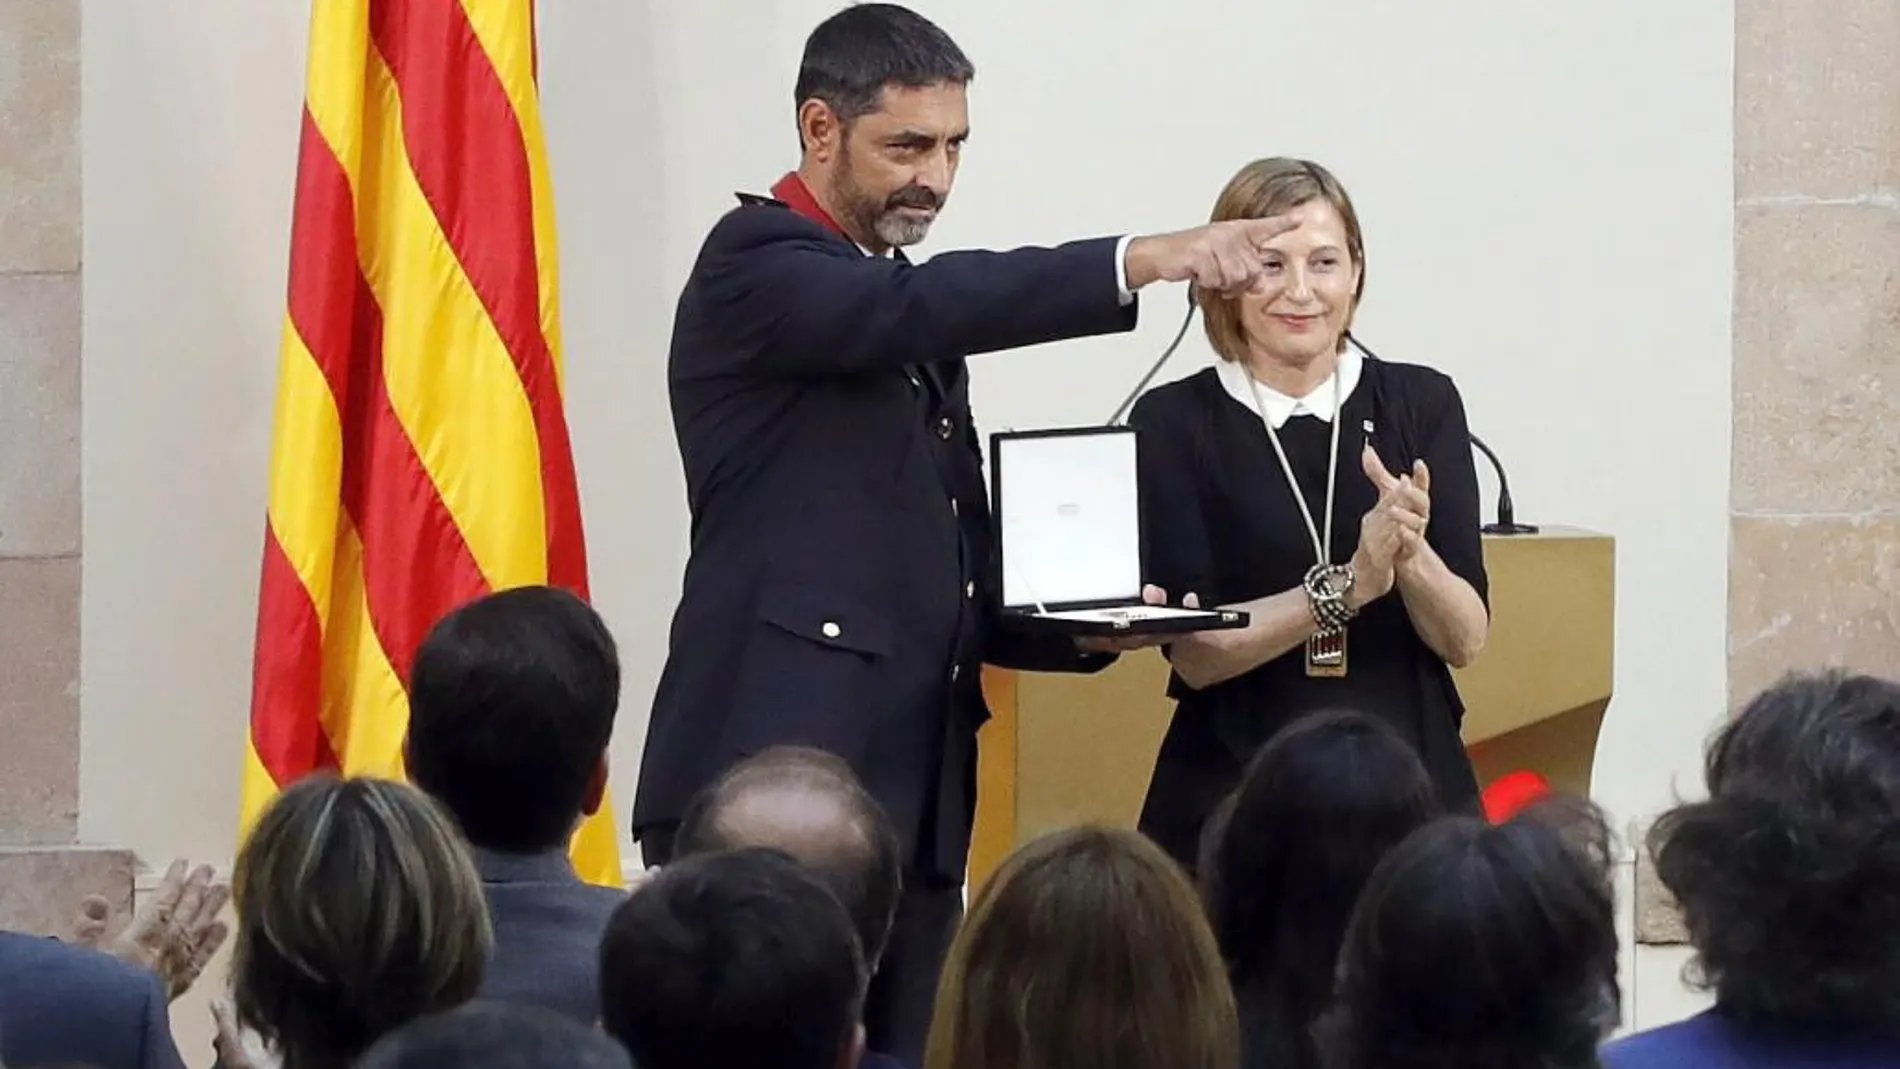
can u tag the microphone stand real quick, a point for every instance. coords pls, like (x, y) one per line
(1507, 515)
(1121, 411)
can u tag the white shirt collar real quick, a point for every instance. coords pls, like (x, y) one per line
(1278, 406)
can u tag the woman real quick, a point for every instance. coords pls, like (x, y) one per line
(1329, 494)
(1320, 807)
(1482, 946)
(1086, 950)
(1787, 875)
(358, 911)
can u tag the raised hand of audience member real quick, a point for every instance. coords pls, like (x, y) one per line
(174, 934)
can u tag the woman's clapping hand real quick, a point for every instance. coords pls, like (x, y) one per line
(1392, 529)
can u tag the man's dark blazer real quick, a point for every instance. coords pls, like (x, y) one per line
(838, 593)
(67, 1005)
(548, 924)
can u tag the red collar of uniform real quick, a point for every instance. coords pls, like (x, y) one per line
(797, 196)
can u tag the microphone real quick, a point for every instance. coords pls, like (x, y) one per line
(1507, 515)
(1121, 411)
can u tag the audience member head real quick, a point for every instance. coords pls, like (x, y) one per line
(1788, 875)
(511, 703)
(1086, 948)
(1317, 271)
(495, 1035)
(1320, 805)
(1482, 946)
(358, 910)
(739, 958)
(809, 804)
(882, 116)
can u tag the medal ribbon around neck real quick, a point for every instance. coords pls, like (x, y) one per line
(1322, 549)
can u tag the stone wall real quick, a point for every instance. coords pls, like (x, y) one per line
(42, 872)
(39, 421)
(1814, 498)
(1814, 573)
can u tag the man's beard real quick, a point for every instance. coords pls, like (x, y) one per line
(892, 227)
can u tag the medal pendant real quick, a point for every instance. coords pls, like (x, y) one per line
(1326, 655)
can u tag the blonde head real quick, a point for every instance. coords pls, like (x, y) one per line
(1270, 187)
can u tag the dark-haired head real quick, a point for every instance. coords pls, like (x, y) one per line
(1321, 804)
(1788, 875)
(730, 959)
(852, 57)
(1482, 946)
(512, 701)
(809, 804)
(882, 118)
(495, 1035)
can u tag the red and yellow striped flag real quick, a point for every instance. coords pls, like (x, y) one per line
(420, 454)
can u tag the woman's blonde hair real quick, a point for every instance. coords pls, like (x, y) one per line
(1267, 188)
(1088, 947)
(358, 910)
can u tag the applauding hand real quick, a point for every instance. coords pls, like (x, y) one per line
(175, 932)
(1393, 529)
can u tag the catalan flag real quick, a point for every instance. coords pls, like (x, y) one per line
(420, 454)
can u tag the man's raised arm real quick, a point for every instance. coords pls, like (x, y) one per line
(799, 307)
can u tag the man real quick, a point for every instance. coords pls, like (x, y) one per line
(810, 805)
(512, 702)
(734, 959)
(68, 1005)
(837, 593)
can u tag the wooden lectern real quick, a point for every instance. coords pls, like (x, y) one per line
(1070, 749)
